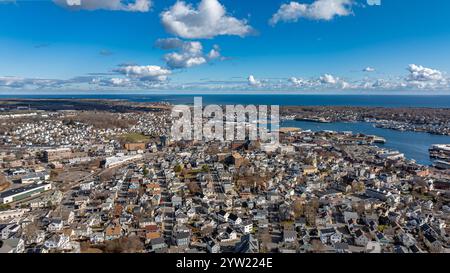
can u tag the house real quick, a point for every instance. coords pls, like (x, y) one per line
(248, 244)
(325, 234)
(261, 215)
(145, 222)
(9, 215)
(227, 235)
(177, 201)
(149, 236)
(234, 220)
(289, 236)
(212, 246)
(157, 244)
(246, 226)
(57, 241)
(36, 250)
(55, 225)
(223, 216)
(348, 215)
(381, 238)
(97, 238)
(341, 248)
(82, 230)
(182, 239)
(182, 218)
(264, 223)
(113, 232)
(9, 230)
(432, 243)
(373, 247)
(38, 237)
(360, 238)
(336, 238)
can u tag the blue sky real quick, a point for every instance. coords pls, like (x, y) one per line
(309, 45)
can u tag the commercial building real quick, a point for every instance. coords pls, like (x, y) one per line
(135, 146)
(21, 193)
(57, 154)
(115, 161)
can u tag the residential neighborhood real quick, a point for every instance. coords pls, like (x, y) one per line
(71, 184)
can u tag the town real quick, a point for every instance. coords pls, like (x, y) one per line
(114, 181)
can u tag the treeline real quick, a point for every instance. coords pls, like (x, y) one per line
(100, 120)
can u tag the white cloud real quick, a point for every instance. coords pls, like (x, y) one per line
(328, 79)
(252, 81)
(420, 73)
(423, 77)
(374, 2)
(210, 19)
(180, 60)
(189, 53)
(19, 82)
(119, 81)
(325, 81)
(299, 82)
(369, 69)
(318, 10)
(214, 53)
(118, 5)
(145, 73)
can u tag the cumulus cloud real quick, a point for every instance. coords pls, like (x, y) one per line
(118, 5)
(323, 82)
(208, 20)
(423, 74)
(119, 81)
(214, 53)
(369, 69)
(298, 82)
(424, 77)
(252, 81)
(145, 73)
(328, 79)
(318, 10)
(188, 54)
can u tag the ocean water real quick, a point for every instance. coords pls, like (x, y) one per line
(267, 99)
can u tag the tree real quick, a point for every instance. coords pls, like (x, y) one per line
(178, 168)
(317, 246)
(145, 171)
(5, 207)
(130, 244)
(29, 231)
(194, 187)
(299, 209)
(311, 212)
(205, 168)
(266, 239)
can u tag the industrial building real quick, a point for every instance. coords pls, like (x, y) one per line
(21, 193)
(57, 154)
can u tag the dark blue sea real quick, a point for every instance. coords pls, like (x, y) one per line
(414, 145)
(267, 99)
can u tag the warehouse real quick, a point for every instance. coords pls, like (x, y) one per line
(21, 193)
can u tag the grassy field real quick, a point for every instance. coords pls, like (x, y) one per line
(134, 138)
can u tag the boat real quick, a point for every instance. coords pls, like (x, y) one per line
(440, 164)
(440, 151)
